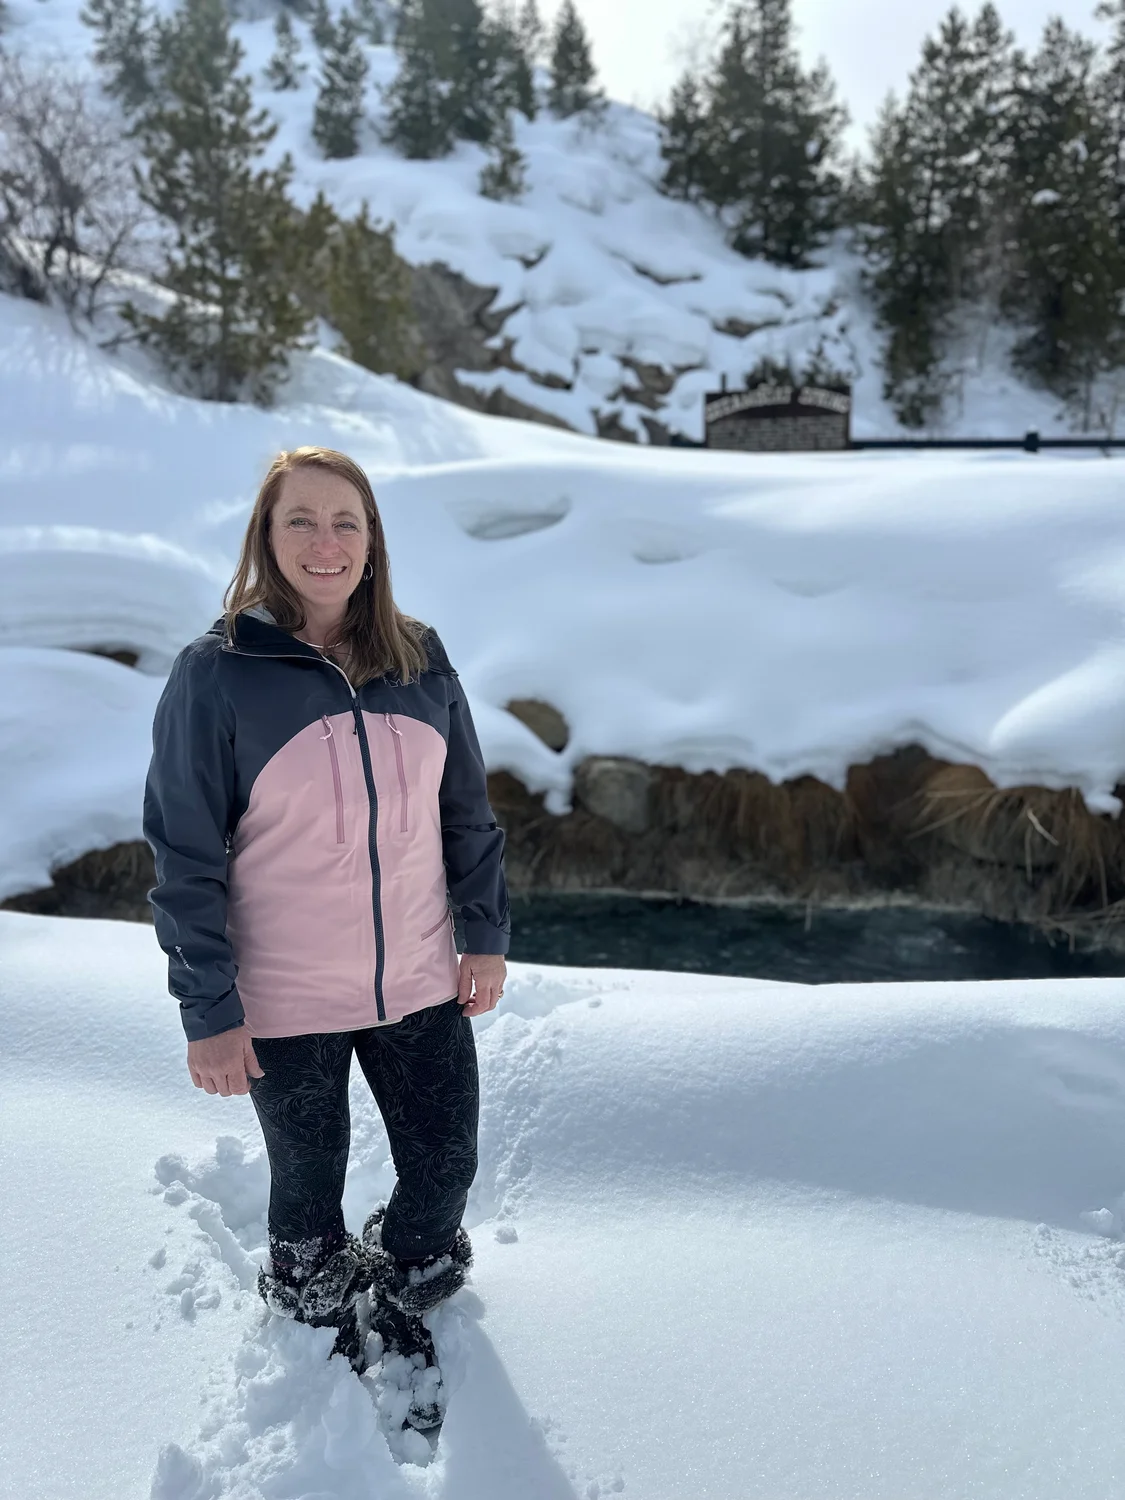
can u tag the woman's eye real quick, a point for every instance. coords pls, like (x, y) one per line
(304, 521)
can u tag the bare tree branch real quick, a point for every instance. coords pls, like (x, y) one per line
(70, 213)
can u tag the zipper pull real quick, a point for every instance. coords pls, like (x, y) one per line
(327, 725)
(392, 726)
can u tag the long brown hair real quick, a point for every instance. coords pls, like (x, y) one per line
(378, 638)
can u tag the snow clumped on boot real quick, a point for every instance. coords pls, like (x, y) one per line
(400, 1294)
(298, 1282)
(414, 1289)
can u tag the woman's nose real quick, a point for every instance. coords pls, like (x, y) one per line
(325, 541)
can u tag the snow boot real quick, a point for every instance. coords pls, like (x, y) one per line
(414, 1287)
(400, 1294)
(325, 1298)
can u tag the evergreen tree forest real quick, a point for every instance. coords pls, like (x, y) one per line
(445, 90)
(987, 207)
(991, 197)
(992, 200)
(757, 137)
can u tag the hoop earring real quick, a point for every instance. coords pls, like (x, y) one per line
(368, 572)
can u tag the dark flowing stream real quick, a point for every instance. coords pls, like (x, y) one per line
(821, 946)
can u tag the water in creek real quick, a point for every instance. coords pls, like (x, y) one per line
(820, 946)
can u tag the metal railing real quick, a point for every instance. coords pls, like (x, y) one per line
(1031, 442)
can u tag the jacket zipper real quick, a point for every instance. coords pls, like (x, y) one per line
(437, 927)
(372, 800)
(372, 827)
(331, 738)
(403, 825)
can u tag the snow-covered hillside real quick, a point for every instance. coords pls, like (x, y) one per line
(734, 1241)
(787, 614)
(621, 304)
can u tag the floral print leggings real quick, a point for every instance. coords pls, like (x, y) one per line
(423, 1073)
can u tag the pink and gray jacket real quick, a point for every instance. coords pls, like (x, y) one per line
(313, 841)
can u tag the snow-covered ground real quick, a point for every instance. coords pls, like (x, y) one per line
(791, 614)
(736, 1241)
(598, 272)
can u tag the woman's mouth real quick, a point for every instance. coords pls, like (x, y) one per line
(324, 572)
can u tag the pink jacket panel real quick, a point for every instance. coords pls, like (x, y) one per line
(300, 900)
(420, 959)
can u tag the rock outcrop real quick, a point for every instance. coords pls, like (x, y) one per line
(457, 328)
(906, 827)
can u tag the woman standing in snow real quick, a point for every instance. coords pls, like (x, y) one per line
(318, 810)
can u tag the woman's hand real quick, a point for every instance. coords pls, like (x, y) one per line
(224, 1064)
(487, 971)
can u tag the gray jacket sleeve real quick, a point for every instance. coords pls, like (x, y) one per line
(472, 844)
(187, 810)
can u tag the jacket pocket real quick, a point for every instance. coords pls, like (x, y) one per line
(448, 917)
(404, 795)
(337, 785)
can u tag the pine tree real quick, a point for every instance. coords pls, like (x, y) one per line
(369, 19)
(1111, 89)
(686, 141)
(232, 262)
(125, 46)
(515, 64)
(936, 202)
(572, 90)
(339, 104)
(532, 31)
(367, 288)
(773, 133)
(420, 123)
(903, 269)
(313, 232)
(445, 89)
(322, 25)
(504, 178)
(1070, 276)
(285, 70)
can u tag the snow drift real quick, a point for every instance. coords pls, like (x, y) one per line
(732, 1239)
(789, 614)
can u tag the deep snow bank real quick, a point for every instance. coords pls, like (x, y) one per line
(732, 1238)
(791, 615)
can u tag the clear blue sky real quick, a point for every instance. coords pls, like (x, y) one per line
(640, 46)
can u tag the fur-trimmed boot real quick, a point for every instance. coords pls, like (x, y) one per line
(325, 1297)
(400, 1294)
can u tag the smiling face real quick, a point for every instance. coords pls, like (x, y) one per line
(320, 538)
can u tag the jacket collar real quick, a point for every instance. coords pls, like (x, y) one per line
(256, 634)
